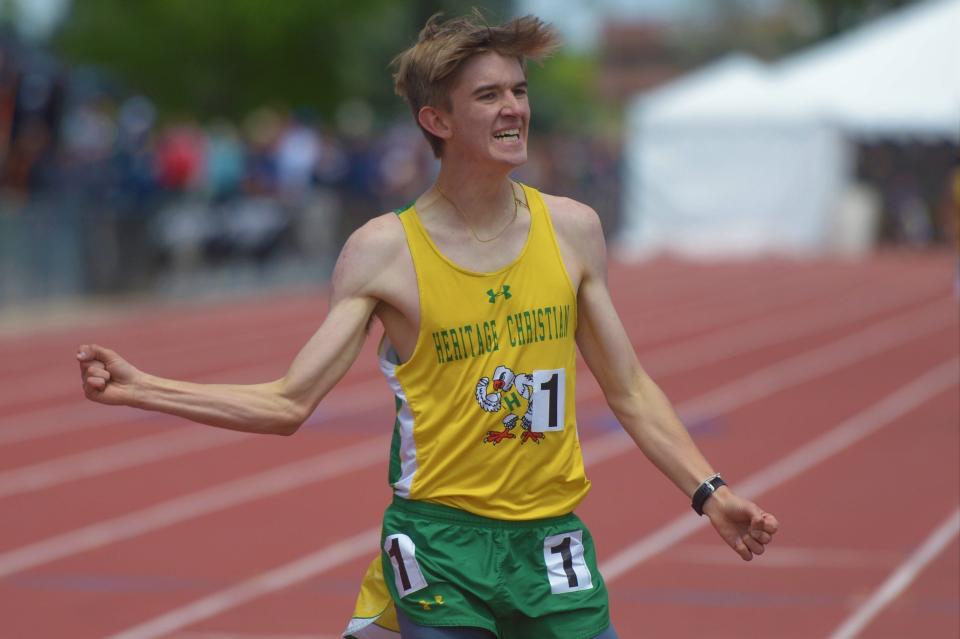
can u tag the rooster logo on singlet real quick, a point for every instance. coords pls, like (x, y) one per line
(508, 391)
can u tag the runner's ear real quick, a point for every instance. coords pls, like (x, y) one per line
(435, 122)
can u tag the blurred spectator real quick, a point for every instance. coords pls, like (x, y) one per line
(180, 157)
(406, 161)
(262, 130)
(224, 169)
(297, 157)
(137, 198)
(31, 103)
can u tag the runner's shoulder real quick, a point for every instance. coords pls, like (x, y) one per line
(373, 250)
(379, 238)
(574, 221)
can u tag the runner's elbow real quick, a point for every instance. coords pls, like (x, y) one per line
(630, 396)
(287, 416)
(287, 427)
(289, 411)
(294, 415)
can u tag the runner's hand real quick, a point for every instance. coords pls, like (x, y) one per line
(107, 378)
(741, 523)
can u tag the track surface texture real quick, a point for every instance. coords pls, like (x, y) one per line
(825, 390)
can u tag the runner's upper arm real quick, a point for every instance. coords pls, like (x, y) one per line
(601, 337)
(327, 356)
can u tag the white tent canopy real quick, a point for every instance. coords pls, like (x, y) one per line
(716, 159)
(742, 157)
(738, 86)
(899, 75)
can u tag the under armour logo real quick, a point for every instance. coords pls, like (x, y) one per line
(504, 290)
(427, 605)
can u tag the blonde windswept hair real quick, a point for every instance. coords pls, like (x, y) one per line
(427, 72)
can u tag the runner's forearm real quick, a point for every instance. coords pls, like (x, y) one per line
(254, 408)
(649, 418)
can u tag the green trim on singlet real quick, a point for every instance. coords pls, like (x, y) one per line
(394, 470)
(404, 208)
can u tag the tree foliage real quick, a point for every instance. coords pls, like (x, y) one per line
(226, 57)
(565, 93)
(837, 15)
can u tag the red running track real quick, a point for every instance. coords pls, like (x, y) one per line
(825, 390)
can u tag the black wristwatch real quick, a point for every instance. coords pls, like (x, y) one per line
(703, 493)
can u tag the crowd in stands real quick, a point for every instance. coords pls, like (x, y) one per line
(94, 180)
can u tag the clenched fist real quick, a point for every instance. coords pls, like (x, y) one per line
(107, 378)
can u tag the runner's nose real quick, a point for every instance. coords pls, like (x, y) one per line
(511, 104)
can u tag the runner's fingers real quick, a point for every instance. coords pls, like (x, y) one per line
(769, 523)
(91, 365)
(85, 367)
(755, 546)
(762, 536)
(98, 372)
(87, 354)
(90, 372)
(743, 551)
(93, 385)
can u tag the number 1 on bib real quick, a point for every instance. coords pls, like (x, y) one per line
(549, 395)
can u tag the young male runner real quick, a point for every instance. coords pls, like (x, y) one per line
(480, 540)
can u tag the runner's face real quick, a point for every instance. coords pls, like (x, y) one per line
(490, 111)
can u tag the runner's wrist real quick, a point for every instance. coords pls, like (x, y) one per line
(717, 501)
(705, 492)
(140, 388)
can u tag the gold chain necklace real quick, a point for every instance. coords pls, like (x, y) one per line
(516, 210)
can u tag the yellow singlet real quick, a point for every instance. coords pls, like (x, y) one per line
(485, 405)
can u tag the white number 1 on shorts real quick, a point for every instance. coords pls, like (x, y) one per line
(567, 569)
(406, 570)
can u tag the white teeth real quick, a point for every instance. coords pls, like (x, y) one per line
(515, 133)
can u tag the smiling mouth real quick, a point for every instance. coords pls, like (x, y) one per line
(509, 134)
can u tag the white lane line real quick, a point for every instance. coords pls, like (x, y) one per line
(901, 578)
(736, 301)
(859, 426)
(813, 363)
(107, 459)
(36, 385)
(190, 506)
(126, 526)
(769, 330)
(847, 433)
(74, 416)
(328, 558)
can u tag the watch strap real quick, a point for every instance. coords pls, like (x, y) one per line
(704, 491)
